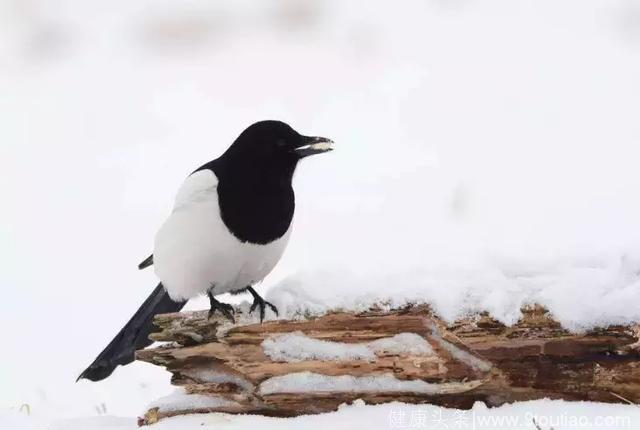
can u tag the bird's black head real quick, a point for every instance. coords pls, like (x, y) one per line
(274, 145)
(254, 179)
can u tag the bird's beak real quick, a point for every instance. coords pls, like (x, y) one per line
(313, 145)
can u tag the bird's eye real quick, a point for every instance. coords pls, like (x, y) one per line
(281, 142)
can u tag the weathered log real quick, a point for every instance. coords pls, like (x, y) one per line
(427, 361)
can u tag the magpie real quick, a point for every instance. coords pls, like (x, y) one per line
(230, 224)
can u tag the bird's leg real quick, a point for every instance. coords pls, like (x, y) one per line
(260, 302)
(225, 309)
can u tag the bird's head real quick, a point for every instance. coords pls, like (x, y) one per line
(274, 144)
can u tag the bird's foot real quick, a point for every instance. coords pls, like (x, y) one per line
(260, 303)
(225, 309)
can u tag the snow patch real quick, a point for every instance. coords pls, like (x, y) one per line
(294, 347)
(605, 285)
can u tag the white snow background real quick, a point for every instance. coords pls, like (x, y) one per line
(487, 157)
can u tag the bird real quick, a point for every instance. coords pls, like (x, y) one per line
(229, 227)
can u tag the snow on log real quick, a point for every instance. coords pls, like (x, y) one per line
(293, 367)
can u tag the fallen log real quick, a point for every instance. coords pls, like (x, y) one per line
(292, 367)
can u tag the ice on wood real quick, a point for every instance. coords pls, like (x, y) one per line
(402, 343)
(216, 377)
(307, 382)
(296, 346)
(180, 400)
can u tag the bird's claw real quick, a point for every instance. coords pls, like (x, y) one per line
(262, 303)
(225, 309)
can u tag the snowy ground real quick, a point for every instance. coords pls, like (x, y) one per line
(487, 157)
(546, 414)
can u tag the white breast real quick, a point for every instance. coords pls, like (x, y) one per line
(195, 250)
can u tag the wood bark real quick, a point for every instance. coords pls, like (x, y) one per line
(473, 359)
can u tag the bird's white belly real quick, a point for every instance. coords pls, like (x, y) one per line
(194, 251)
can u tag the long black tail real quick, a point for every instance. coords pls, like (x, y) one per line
(133, 336)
